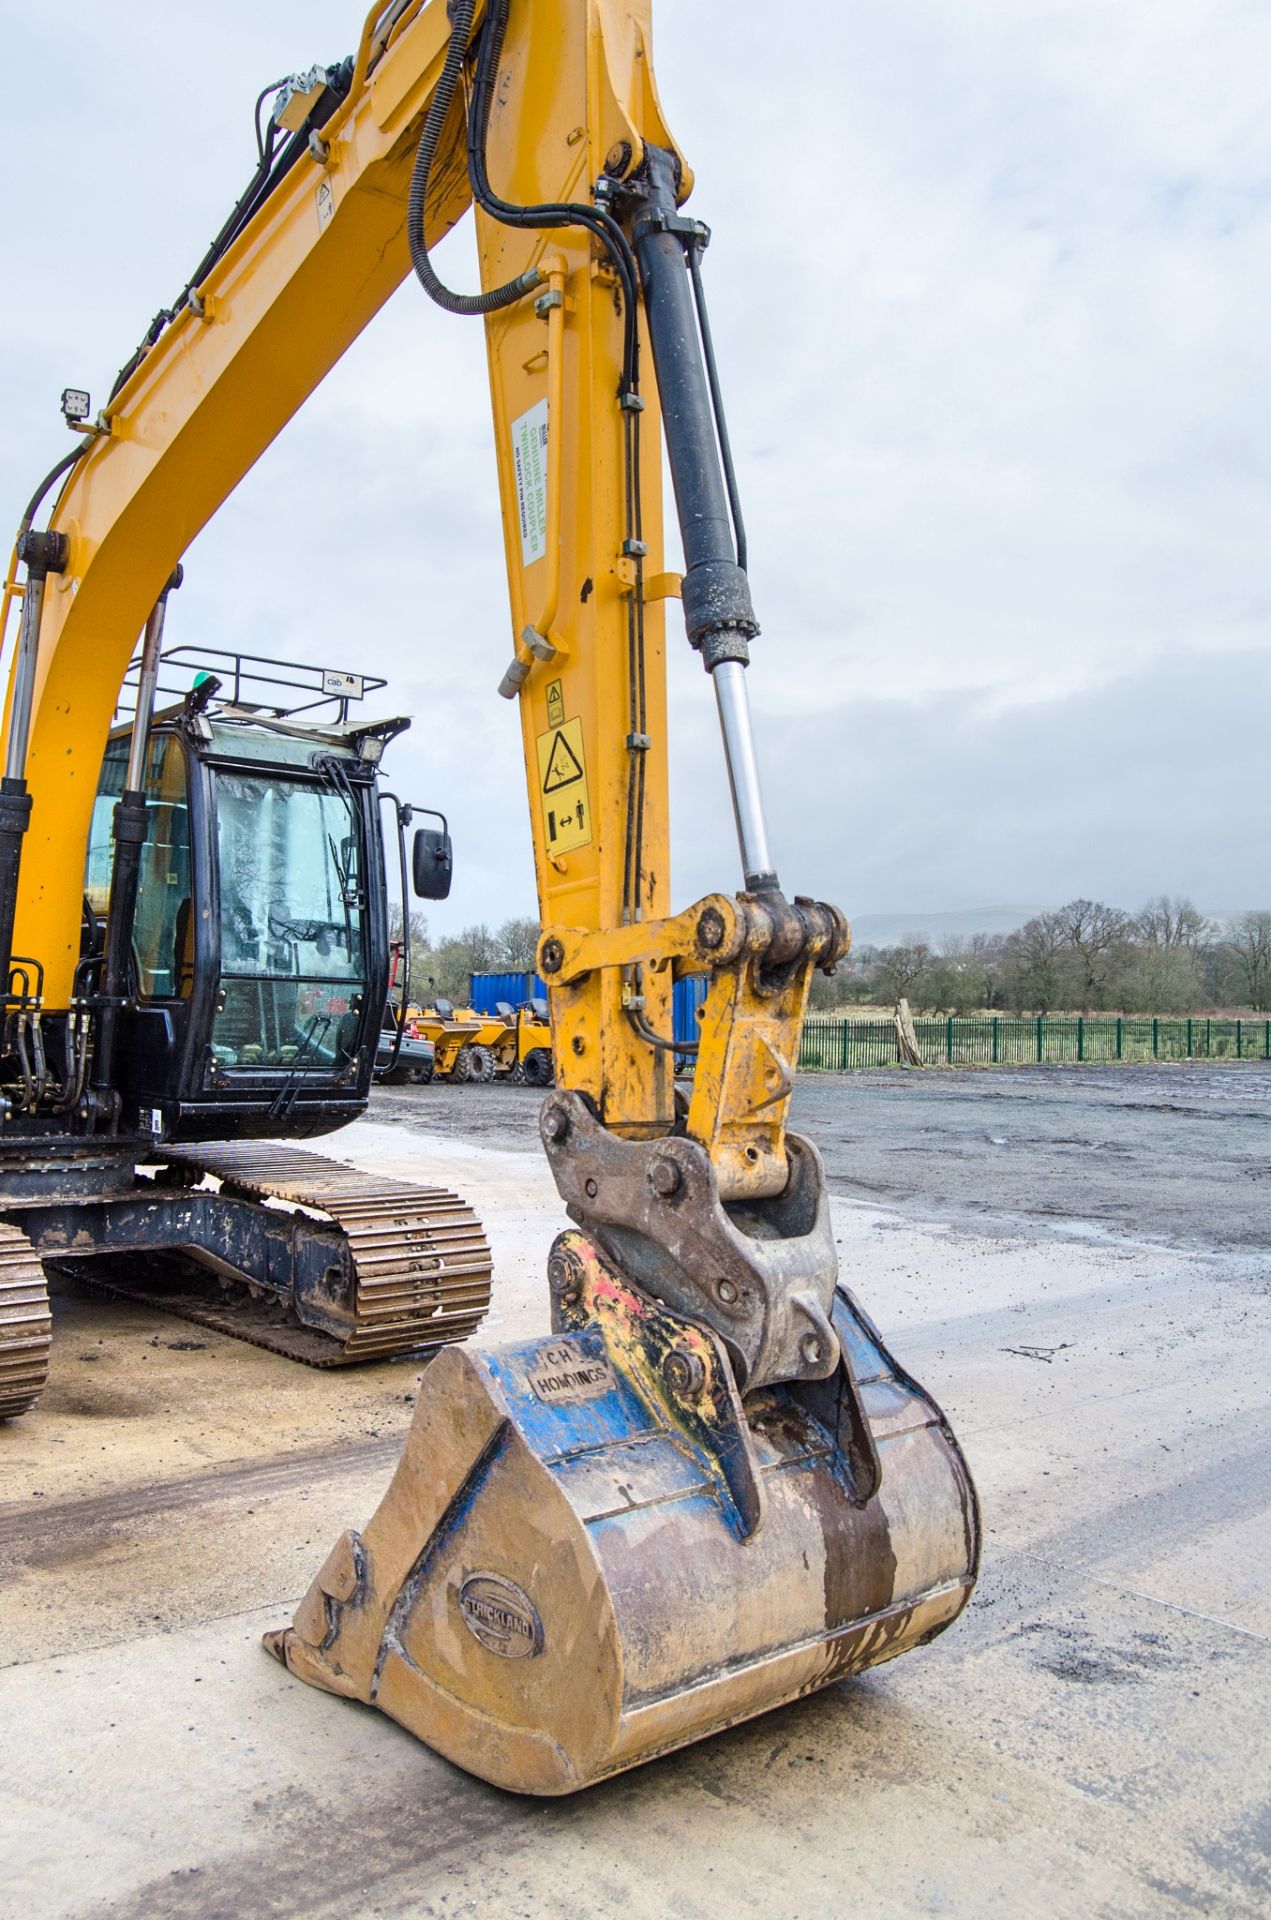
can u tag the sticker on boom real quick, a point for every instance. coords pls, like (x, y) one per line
(563, 1372)
(501, 1616)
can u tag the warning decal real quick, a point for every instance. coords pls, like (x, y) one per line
(555, 703)
(563, 765)
(529, 464)
(562, 779)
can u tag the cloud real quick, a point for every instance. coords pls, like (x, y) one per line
(989, 287)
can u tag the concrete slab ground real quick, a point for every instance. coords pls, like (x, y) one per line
(1090, 1739)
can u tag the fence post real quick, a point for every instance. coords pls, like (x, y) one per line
(1120, 1038)
(1040, 1018)
(1081, 1036)
(997, 1051)
(1156, 1038)
(1189, 1038)
(1266, 1049)
(847, 1045)
(948, 1040)
(1209, 1039)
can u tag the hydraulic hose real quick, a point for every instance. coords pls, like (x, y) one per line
(55, 473)
(438, 110)
(552, 213)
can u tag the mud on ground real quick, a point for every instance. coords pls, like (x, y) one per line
(1074, 1261)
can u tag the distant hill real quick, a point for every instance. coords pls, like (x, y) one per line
(888, 929)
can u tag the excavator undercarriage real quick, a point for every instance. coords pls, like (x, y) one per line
(289, 1250)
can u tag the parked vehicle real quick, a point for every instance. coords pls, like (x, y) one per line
(415, 1063)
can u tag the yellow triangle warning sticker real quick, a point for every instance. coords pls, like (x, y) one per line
(563, 766)
(562, 784)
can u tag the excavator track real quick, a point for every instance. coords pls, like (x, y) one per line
(26, 1325)
(420, 1261)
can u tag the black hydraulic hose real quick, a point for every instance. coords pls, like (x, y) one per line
(550, 213)
(717, 403)
(652, 1039)
(275, 86)
(55, 473)
(272, 167)
(438, 110)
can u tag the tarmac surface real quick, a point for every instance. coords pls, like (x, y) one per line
(1074, 1261)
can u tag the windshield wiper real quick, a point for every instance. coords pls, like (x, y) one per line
(281, 1104)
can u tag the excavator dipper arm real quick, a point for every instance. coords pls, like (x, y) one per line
(711, 1489)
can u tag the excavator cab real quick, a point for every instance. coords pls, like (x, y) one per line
(231, 980)
(259, 942)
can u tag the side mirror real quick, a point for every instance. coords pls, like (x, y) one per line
(432, 863)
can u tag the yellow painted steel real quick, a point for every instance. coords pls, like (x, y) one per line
(279, 309)
(586, 67)
(576, 88)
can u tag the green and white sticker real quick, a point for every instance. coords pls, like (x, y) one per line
(529, 460)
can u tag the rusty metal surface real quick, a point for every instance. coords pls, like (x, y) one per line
(419, 1264)
(26, 1327)
(593, 1551)
(760, 1272)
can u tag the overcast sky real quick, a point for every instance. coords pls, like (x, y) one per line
(991, 287)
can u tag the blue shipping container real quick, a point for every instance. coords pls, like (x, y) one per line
(489, 988)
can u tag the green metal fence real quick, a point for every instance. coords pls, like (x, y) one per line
(831, 1043)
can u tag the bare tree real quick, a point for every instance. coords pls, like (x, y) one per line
(1171, 939)
(517, 943)
(1172, 924)
(1095, 933)
(1248, 944)
(1035, 952)
(899, 970)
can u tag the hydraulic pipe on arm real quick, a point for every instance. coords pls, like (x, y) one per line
(718, 613)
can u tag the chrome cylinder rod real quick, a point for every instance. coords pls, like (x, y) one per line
(147, 681)
(733, 702)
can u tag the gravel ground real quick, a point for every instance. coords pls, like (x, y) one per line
(1073, 1261)
(1179, 1155)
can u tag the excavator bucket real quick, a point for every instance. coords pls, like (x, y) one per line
(592, 1552)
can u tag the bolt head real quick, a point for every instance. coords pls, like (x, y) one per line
(552, 958)
(710, 929)
(555, 1125)
(683, 1371)
(812, 1347)
(590, 1189)
(564, 1274)
(726, 1290)
(665, 1177)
